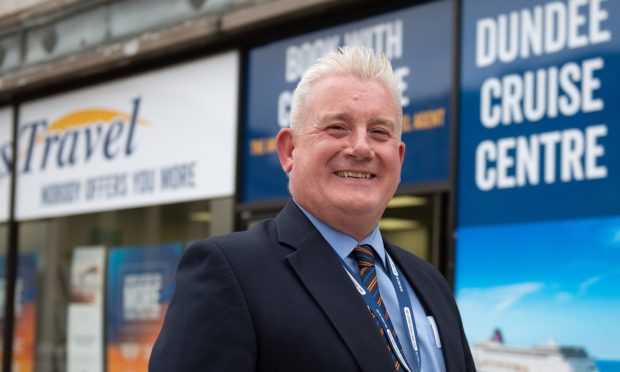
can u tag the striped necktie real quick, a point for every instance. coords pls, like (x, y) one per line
(365, 258)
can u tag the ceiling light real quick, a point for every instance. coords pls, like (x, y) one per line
(200, 216)
(392, 224)
(407, 201)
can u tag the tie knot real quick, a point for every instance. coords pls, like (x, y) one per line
(364, 256)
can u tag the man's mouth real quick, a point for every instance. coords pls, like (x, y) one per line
(350, 174)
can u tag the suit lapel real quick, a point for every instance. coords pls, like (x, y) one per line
(316, 264)
(434, 303)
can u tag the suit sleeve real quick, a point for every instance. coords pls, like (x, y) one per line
(207, 326)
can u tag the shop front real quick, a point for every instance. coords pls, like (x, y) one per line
(113, 181)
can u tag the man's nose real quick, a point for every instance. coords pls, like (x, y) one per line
(359, 145)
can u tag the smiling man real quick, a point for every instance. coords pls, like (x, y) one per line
(317, 288)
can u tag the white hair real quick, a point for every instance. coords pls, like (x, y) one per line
(360, 62)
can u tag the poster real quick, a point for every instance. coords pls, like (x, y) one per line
(140, 283)
(421, 63)
(85, 312)
(544, 286)
(24, 332)
(538, 208)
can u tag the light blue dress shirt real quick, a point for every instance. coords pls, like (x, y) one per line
(343, 245)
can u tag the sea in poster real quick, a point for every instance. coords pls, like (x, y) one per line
(543, 282)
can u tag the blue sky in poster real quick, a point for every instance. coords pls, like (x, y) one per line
(540, 281)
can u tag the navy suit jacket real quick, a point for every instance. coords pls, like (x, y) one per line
(275, 298)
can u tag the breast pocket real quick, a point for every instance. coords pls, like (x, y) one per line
(433, 334)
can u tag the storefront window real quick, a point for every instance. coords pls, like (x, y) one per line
(4, 247)
(134, 252)
(408, 223)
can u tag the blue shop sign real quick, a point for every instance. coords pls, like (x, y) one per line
(538, 132)
(417, 40)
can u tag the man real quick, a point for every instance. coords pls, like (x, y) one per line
(316, 288)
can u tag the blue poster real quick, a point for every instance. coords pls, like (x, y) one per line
(140, 283)
(421, 62)
(543, 285)
(538, 131)
(538, 208)
(25, 326)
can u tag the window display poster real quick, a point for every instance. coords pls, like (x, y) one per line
(551, 289)
(25, 310)
(539, 111)
(6, 160)
(85, 312)
(140, 283)
(538, 207)
(422, 64)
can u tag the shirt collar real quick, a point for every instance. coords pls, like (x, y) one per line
(344, 244)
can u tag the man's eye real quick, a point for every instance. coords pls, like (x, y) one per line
(336, 128)
(380, 133)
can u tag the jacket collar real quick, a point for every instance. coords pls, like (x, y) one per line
(436, 300)
(316, 264)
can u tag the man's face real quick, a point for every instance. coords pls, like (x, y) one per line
(345, 160)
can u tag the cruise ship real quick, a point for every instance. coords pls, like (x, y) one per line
(495, 356)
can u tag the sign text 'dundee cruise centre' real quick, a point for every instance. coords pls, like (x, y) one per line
(539, 112)
(160, 137)
(538, 201)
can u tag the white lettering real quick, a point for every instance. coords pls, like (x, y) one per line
(555, 27)
(545, 29)
(549, 92)
(384, 38)
(141, 296)
(531, 34)
(594, 150)
(575, 21)
(284, 109)
(485, 42)
(490, 114)
(597, 15)
(568, 156)
(590, 84)
(401, 73)
(485, 175)
(505, 162)
(300, 57)
(508, 43)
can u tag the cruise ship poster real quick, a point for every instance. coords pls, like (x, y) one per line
(543, 285)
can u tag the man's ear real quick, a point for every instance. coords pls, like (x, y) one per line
(401, 152)
(285, 146)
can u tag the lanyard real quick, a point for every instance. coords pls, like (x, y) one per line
(405, 308)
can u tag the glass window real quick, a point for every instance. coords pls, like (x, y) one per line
(408, 223)
(60, 250)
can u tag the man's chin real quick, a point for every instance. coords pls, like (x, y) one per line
(356, 205)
